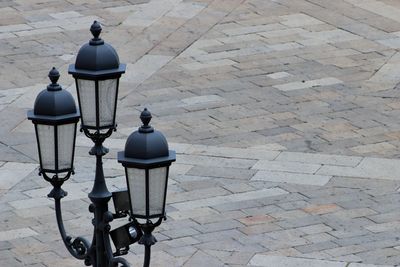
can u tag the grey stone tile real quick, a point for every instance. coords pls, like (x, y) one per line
(16, 233)
(269, 260)
(283, 166)
(229, 198)
(12, 173)
(318, 158)
(290, 177)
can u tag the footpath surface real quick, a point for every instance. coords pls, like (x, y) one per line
(284, 114)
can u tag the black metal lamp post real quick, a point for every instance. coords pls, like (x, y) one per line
(146, 158)
(97, 71)
(55, 117)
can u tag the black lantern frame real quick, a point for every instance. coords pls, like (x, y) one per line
(97, 62)
(146, 149)
(54, 116)
(147, 165)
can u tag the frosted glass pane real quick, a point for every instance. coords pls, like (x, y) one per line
(107, 95)
(66, 136)
(137, 189)
(87, 97)
(157, 180)
(46, 143)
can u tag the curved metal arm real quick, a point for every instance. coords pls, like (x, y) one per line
(79, 247)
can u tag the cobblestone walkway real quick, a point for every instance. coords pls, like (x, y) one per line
(284, 113)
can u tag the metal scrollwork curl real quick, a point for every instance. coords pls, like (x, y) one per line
(79, 247)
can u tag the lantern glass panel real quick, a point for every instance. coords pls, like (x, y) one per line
(87, 101)
(107, 96)
(157, 183)
(137, 190)
(66, 137)
(45, 134)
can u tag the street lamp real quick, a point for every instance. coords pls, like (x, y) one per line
(146, 160)
(96, 72)
(55, 117)
(146, 157)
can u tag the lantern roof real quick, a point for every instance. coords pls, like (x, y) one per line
(96, 59)
(54, 105)
(146, 147)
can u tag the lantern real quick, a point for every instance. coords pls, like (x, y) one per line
(146, 160)
(97, 71)
(55, 117)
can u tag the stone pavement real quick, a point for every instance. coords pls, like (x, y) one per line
(284, 115)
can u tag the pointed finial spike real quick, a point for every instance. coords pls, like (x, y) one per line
(95, 29)
(145, 116)
(54, 75)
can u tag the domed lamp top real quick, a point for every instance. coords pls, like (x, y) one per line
(146, 147)
(54, 105)
(96, 59)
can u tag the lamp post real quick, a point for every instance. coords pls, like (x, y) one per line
(146, 158)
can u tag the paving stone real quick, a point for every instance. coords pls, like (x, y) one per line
(299, 20)
(327, 245)
(144, 68)
(295, 178)
(385, 77)
(319, 159)
(308, 84)
(382, 227)
(209, 64)
(197, 194)
(149, 13)
(65, 15)
(202, 99)
(316, 238)
(379, 8)
(16, 233)
(287, 166)
(216, 161)
(186, 10)
(12, 173)
(353, 264)
(218, 226)
(229, 198)
(14, 28)
(368, 168)
(378, 148)
(279, 75)
(232, 173)
(200, 258)
(315, 229)
(258, 152)
(38, 31)
(194, 213)
(253, 29)
(269, 260)
(321, 209)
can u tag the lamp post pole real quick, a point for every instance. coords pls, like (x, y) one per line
(100, 196)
